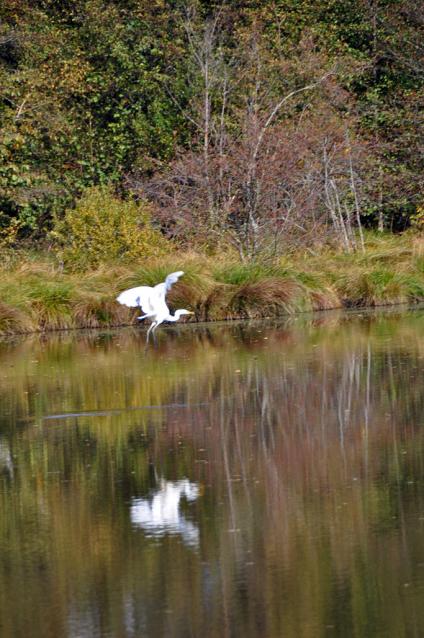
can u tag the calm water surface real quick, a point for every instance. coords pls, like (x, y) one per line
(260, 480)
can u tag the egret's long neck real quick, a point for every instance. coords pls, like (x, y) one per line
(175, 316)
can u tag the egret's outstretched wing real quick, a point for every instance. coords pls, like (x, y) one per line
(162, 289)
(172, 279)
(140, 297)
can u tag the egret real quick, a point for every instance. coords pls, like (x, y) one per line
(152, 302)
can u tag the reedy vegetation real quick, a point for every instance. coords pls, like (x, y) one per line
(38, 294)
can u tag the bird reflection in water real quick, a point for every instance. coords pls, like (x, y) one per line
(160, 514)
(6, 462)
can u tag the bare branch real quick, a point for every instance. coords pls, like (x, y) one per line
(278, 106)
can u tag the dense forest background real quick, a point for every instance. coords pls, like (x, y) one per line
(260, 124)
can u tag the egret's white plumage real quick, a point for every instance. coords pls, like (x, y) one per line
(152, 301)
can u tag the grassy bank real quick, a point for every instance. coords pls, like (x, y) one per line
(37, 295)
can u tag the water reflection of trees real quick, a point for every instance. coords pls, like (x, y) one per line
(308, 445)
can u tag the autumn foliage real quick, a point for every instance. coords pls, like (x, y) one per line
(257, 126)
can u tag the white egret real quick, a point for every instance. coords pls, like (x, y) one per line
(152, 302)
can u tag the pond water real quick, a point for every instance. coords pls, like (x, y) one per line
(252, 480)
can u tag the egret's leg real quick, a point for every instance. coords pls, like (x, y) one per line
(156, 325)
(154, 330)
(152, 325)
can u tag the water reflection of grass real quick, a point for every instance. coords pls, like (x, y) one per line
(113, 371)
(306, 440)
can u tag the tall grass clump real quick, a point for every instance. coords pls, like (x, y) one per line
(94, 310)
(265, 290)
(387, 273)
(50, 303)
(377, 287)
(13, 321)
(267, 298)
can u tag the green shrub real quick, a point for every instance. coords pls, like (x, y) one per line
(103, 228)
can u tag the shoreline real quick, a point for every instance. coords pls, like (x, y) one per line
(311, 314)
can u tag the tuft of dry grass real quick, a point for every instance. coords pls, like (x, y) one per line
(268, 298)
(325, 299)
(98, 311)
(377, 287)
(216, 305)
(13, 321)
